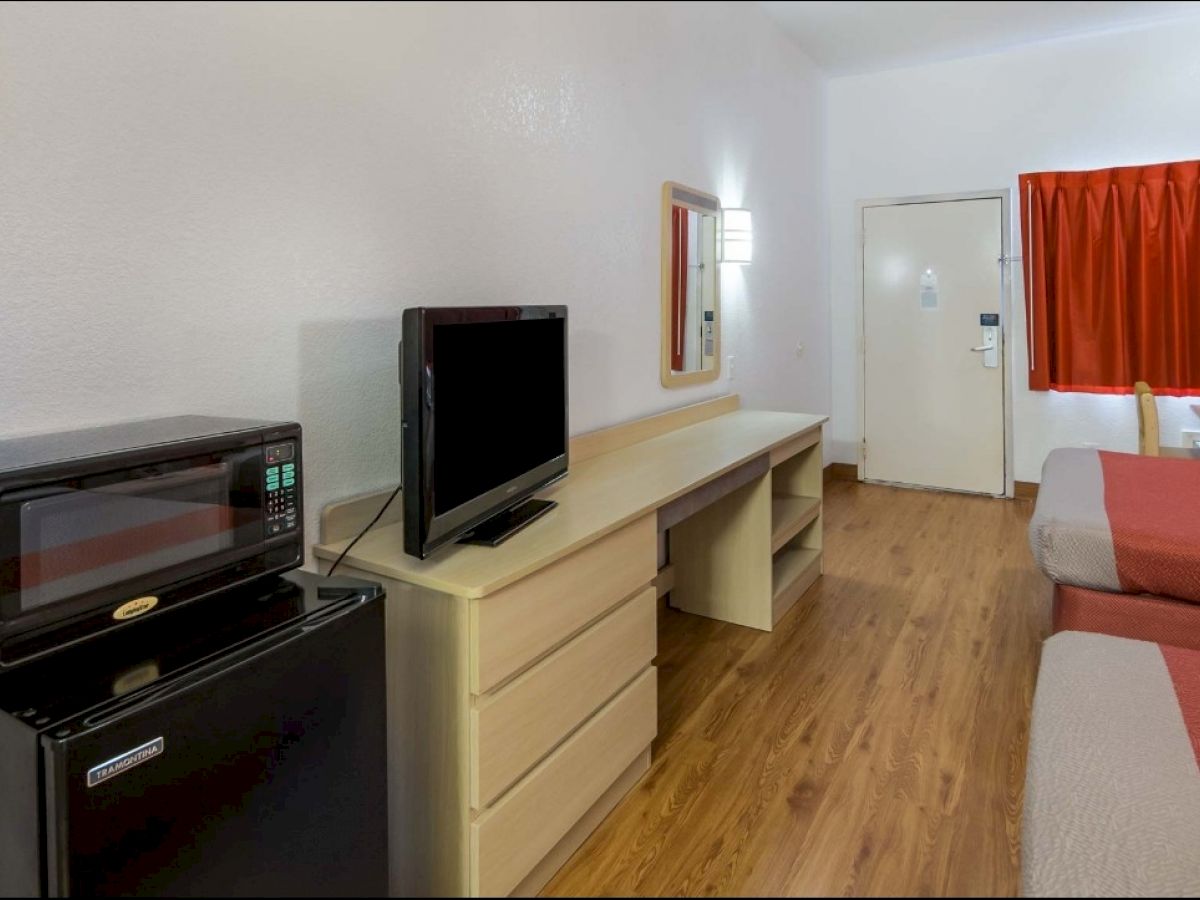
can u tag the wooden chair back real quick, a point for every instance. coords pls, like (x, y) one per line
(1148, 442)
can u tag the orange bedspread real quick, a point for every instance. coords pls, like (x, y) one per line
(1153, 508)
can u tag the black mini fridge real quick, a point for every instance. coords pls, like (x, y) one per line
(235, 747)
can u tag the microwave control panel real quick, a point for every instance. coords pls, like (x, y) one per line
(282, 515)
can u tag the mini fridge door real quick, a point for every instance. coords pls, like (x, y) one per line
(261, 774)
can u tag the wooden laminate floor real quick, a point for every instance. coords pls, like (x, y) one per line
(873, 744)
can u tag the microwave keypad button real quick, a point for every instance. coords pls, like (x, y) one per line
(282, 512)
(289, 467)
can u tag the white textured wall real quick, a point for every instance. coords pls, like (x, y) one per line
(1092, 102)
(223, 208)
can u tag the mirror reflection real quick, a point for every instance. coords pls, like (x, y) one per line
(691, 305)
(693, 294)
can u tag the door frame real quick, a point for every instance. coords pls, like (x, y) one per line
(1004, 195)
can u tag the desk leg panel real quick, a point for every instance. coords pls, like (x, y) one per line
(721, 558)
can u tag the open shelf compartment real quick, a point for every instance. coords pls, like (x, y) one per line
(793, 571)
(789, 516)
(797, 483)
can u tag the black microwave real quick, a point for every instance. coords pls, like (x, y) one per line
(101, 526)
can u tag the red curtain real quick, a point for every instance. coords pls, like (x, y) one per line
(1112, 278)
(679, 274)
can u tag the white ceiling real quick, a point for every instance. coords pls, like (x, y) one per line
(847, 38)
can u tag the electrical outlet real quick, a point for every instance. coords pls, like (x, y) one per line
(800, 349)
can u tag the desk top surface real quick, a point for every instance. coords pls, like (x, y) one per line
(598, 496)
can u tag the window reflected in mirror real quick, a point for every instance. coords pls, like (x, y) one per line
(691, 286)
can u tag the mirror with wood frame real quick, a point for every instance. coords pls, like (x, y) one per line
(691, 287)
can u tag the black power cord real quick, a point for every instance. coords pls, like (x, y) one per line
(370, 525)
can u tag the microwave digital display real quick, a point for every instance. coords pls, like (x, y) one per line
(85, 535)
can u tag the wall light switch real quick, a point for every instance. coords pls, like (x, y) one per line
(729, 367)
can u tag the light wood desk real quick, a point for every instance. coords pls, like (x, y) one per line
(522, 699)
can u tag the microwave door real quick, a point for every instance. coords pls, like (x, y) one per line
(74, 541)
(74, 546)
(252, 777)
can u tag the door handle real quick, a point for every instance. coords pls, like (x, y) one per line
(983, 348)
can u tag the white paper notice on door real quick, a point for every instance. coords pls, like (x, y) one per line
(929, 289)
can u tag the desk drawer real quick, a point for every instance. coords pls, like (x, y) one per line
(519, 724)
(524, 621)
(511, 838)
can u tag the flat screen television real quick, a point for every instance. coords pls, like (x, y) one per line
(483, 420)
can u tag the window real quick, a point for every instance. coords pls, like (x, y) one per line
(1112, 278)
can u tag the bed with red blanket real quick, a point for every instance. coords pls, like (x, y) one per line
(1119, 535)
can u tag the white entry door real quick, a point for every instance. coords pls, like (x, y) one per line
(933, 400)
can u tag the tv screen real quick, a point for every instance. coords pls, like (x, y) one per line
(484, 414)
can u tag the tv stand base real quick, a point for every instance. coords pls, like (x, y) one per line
(500, 527)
